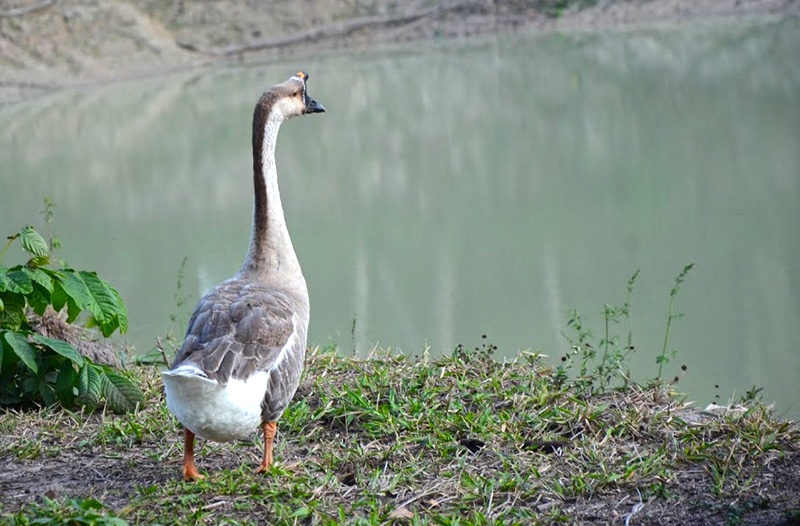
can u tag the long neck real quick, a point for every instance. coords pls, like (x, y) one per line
(271, 253)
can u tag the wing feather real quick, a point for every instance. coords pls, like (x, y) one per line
(236, 331)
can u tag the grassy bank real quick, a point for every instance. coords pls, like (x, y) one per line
(461, 439)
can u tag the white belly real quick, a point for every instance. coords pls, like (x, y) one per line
(211, 411)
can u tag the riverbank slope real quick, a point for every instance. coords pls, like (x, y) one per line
(49, 44)
(461, 439)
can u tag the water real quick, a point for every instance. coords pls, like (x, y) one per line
(459, 189)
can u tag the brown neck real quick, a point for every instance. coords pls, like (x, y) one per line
(271, 251)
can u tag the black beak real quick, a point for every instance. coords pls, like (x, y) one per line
(313, 106)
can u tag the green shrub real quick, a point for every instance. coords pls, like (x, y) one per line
(36, 370)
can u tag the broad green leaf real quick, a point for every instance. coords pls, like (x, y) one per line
(121, 394)
(122, 312)
(105, 303)
(41, 277)
(73, 285)
(89, 385)
(30, 386)
(13, 302)
(104, 307)
(65, 384)
(12, 316)
(108, 327)
(59, 297)
(22, 348)
(47, 392)
(61, 347)
(2, 351)
(33, 242)
(73, 310)
(39, 299)
(18, 281)
(3, 279)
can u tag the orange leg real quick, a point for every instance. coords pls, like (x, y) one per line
(190, 473)
(270, 428)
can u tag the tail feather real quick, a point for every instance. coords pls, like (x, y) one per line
(186, 370)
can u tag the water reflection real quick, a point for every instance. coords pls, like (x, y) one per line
(461, 188)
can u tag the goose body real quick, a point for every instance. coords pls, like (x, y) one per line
(243, 353)
(241, 360)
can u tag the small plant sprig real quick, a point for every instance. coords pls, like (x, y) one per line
(596, 376)
(49, 214)
(181, 298)
(666, 355)
(612, 361)
(35, 369)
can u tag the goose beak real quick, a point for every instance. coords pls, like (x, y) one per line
(313, 106)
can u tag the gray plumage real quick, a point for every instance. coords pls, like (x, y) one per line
(241, 327)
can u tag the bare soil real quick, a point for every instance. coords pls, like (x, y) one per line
(48, 44)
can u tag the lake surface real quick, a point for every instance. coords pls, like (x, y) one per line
(456, 189)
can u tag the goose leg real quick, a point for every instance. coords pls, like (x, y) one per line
(190, 473)
(270, 428)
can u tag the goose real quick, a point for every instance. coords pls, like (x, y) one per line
(244, 349)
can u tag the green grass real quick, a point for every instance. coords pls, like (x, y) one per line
(391, 439)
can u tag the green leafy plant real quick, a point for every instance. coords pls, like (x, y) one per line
(598, 372)
(35, 369)
(73, 512)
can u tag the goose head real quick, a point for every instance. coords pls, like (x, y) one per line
(290, 98)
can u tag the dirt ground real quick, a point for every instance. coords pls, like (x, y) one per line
(115, 476)
(49, 44)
